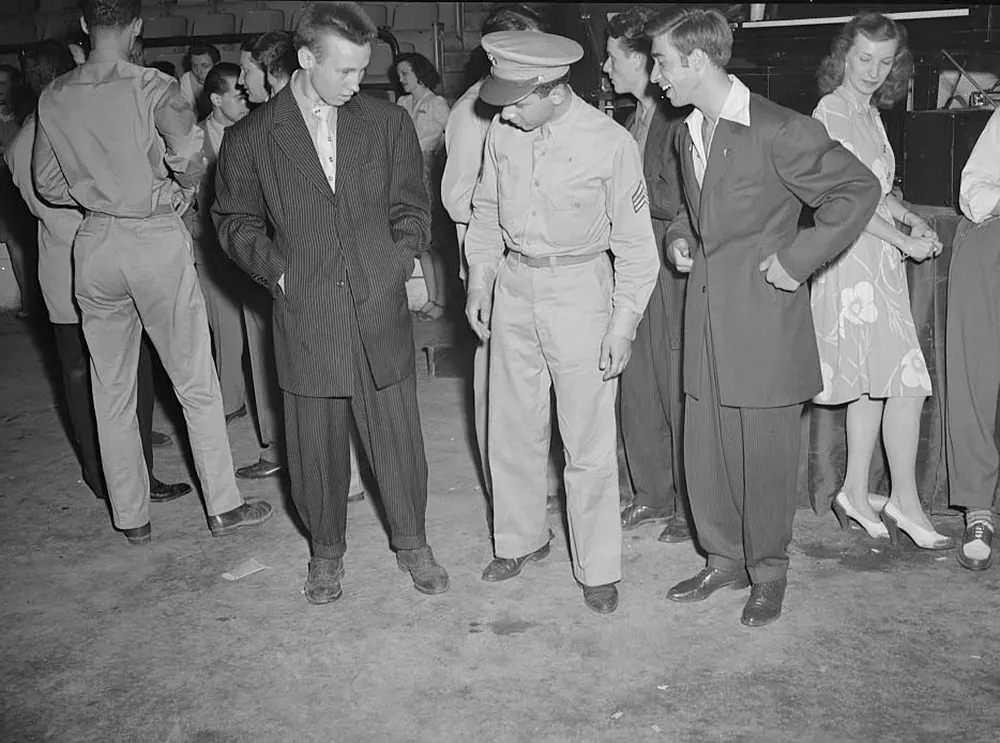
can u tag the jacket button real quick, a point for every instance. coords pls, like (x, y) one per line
(702, 290)
(340, 283)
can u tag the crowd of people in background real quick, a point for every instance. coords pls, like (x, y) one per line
(647, 290)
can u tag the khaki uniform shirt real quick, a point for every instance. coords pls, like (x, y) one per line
(113, 136)
(464, 137)
(574, 186)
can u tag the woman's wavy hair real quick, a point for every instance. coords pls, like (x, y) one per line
(875, 27)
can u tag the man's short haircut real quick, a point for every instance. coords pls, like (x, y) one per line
(201, 50)
(423, 69)
(512, 17)
(48, 60)
(113, 14)
(275, 52)
(696, 28)
(543, 89)
(216, 80)
(629, 28)
(346, 20)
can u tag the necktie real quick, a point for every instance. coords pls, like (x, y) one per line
(326, 145)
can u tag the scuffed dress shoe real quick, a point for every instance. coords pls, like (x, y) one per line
(428, 576)
(323, 583)
(639, 513)
(249, 514)
(161, 492)
(764, 604)
(258, 470)
(139, 535)
(505, 568)
(602, 599)
(677, 530)
(355, 497)
(707, 582)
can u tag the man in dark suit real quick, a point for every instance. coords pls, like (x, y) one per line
(319, 198)
(748, 165)
(650, 394)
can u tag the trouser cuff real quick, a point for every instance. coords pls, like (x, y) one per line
(726, 564)
(413, 542)
(766, 574)
(329, 551)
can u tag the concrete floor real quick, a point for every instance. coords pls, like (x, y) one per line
(105, 642)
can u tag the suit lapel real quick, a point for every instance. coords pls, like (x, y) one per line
(720, 156)
(652, 158)
(291, 136)
(686, 155)
(351, 140)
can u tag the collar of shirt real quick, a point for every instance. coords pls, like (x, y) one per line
(105, 56)
(308, 102)
(564, 122)
(736, 108)
(215, 132)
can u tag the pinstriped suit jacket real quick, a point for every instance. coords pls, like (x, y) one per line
(345, 257)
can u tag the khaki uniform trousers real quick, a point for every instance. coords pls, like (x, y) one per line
(133, 274)
(221, 284)
(547, 328)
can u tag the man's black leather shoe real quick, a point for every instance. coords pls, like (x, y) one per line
(139, 535)
(602, 599)
(249, 514)
(161, 492)
(676, 530)
(638, 513)
(323, 583)
(355, 497)
(428, 576)
(504, 568)
(259, 470)
(764, 604)
(707, 582)
(230, 417)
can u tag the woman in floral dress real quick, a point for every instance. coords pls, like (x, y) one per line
(868, 346)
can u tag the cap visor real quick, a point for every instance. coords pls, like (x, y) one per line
(499, 92)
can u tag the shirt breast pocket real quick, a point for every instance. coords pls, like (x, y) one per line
(573, 216)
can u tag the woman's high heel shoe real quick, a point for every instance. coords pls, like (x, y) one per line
(927, 539)
(846, 513)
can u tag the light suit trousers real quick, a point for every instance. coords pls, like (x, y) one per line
(220, 286)
(133, 274)
(547, 328)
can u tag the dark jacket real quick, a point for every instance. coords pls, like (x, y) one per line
(345, 256)
(748, 207)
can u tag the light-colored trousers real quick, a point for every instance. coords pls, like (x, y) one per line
(133, 274)
(225, 319)
(546, 331)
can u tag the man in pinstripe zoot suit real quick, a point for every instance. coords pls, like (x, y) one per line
(319, 198)
(750, 359)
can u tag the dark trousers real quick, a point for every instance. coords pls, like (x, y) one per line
(742, 468)
(973, 365)
(317, 436)
(74, 359)
(651, 412)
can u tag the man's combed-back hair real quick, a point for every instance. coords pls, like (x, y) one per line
(217, 79)
(629, 28)
(512, 17)
(543, 89)
(110, 13)
(274, 52)
(346, 20)
(696, 28)
(875, 27)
